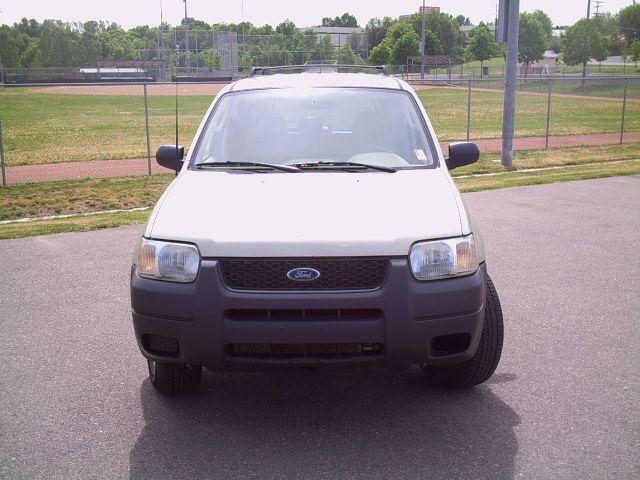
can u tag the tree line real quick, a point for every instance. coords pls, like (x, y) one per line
(588, 39)
(53, 43)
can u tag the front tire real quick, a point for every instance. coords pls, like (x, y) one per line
(482, 365)
(174, 378)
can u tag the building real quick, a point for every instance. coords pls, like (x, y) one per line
(425, 9)
(340, 36)
(546, 66)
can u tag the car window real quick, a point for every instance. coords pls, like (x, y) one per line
(290, 126)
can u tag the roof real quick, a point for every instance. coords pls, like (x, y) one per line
(309, 79)
(336, 30)
(435, 60)
(112, 70)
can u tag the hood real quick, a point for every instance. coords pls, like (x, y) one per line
(306, 214)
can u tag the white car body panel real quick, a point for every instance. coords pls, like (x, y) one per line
(231, 214)
(307, 214)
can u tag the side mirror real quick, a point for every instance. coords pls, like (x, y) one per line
(461, 154)
(170, 156)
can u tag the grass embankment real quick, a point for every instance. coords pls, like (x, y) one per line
(78, 196)
(55, 127)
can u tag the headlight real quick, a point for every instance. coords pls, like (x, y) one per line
(444, 258)
(173, 262)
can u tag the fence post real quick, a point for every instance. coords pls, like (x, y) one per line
(4, 172)
(546, 140)
(469, 110)
(624, 107)
(146, 117)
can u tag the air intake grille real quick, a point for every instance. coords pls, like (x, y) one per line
(335, 273)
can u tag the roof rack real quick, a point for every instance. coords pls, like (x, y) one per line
(316, 67)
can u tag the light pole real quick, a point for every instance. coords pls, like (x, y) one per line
(160, 36)
(186, 33)
(512, 14)
(242, 17)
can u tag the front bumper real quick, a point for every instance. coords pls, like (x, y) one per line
(404, 319)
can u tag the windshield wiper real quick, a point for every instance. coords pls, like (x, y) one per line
(323, 164)
(255, 165)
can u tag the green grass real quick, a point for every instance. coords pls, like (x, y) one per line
(79, 196)
(592, 87)
(517, 178)
(72, 224)
(51, 128)
(490, 162)
(447, 108)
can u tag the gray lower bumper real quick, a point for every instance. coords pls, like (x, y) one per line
(405, 316)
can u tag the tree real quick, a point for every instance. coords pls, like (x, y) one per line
(57, 46)
(286, 28)
(582, 42)
(462, 20)
(532, 39)
(629, 22)
(381, 54)
(211, 60)
(322, 50)
(346, 20)
(346, 56)
(377, 29)
(444, 26)
(432, 43)
(632, 52)
(482, 45)
(91, 46)
(545, 21)
(408, 45)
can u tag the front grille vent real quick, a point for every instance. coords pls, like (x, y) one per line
(319, 315)
(335, 273)
(269, 351)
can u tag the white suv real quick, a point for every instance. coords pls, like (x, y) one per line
(314, 222)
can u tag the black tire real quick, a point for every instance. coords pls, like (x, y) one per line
(482, 365)
(173, 378)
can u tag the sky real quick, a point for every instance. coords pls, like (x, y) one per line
(303, 13)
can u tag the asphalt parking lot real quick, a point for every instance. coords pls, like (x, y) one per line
(75, 401)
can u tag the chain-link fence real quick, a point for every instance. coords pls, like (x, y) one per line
(61, 131)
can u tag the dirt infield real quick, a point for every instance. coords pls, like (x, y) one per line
(193, 89)
(155, 89)
(140, 166)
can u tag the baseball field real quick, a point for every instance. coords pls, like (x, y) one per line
(44, 125)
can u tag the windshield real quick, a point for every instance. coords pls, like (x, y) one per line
(295, 126)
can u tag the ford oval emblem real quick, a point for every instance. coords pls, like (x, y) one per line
(303, 274)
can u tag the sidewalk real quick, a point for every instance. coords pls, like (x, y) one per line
(139, 166)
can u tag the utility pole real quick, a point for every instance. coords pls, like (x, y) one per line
(186, 33)
(597, 4)
(584, 65)
(512, 20)
(424, 46)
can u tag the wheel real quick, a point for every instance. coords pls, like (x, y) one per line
(173, 378)
(482, 365)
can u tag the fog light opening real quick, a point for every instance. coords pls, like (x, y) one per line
(450, 344)
(161, 345)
